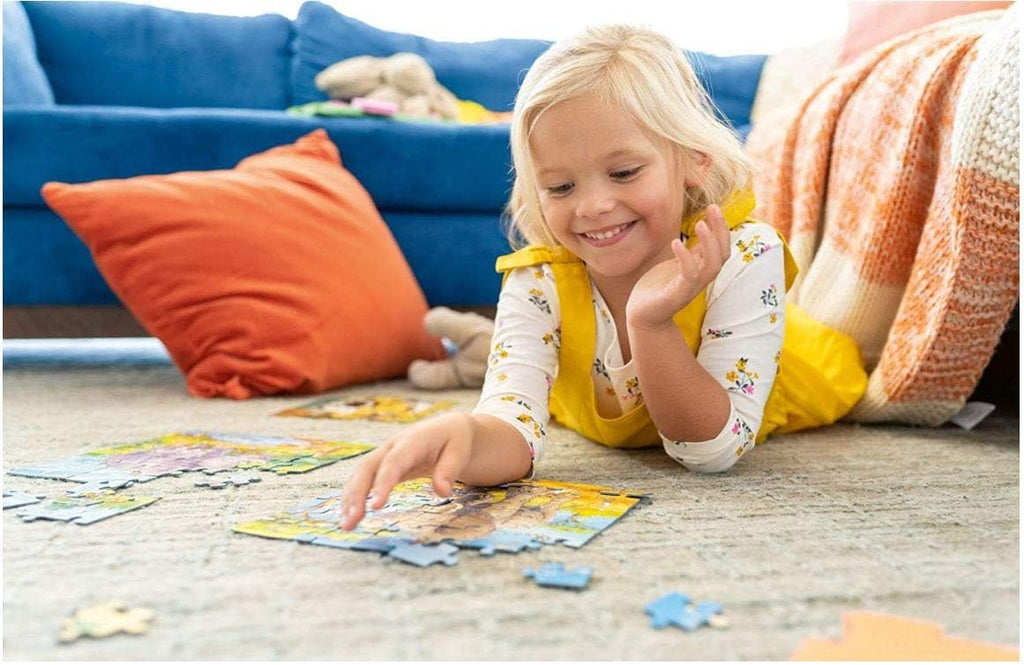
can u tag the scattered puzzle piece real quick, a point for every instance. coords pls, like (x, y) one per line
(219, 482)
(556, 575)
(86, 509)
(16, 499)
(425, 555)
(105, 619)
(677, 610)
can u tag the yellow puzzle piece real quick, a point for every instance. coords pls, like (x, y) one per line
(105, 619)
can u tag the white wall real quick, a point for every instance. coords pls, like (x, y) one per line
(724, 27)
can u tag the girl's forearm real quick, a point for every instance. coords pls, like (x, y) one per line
(685, 402)
(500, 453)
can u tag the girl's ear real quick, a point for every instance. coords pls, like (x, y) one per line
(697, 167)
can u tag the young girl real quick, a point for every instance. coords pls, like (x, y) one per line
(648, 307)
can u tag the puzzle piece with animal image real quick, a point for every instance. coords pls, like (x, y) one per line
(508, 518)
(106, 619)
(121, 465)
(85, 509)
(382, 408)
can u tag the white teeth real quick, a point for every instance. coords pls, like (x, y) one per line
(606, 234)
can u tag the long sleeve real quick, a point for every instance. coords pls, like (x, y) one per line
(523, 360)
(740, 344)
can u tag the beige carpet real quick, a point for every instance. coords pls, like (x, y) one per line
(915, 522)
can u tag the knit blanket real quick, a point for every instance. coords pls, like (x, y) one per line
(895, 183)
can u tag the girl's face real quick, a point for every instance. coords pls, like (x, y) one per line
(611, 192)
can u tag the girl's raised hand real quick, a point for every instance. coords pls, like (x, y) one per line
(440, 447)
(672, 285)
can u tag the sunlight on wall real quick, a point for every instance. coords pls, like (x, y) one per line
(725, 27)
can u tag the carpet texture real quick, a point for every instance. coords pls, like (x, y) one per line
(915, 522)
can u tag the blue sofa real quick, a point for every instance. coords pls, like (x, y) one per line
(96, 90)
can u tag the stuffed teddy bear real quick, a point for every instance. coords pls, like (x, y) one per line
(404, 79)
(471, 335)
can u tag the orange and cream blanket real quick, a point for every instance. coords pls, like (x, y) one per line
(896, 184)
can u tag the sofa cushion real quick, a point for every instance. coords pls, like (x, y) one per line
(484, 72)
(25, 81)
(125, 54)
(276, 276)
(431, 167)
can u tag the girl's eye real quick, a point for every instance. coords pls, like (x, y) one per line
(626, 174)
(557, 190)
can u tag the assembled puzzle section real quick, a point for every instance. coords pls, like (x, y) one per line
(381, 408)
(84, 509)
(121, 465)
(508, 518)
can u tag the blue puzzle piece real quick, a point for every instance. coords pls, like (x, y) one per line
(500, 541)
(666, 609)
(676, 609)
(425, 555)
(556, 575)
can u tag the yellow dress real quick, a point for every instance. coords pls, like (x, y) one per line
(821, 373)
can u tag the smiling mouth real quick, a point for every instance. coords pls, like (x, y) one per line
(608, 234)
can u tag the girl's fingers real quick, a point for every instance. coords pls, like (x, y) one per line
(720, 230)
(711, 251)
(450, 464)
(353, 500)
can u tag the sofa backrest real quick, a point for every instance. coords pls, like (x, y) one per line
(121, 54)
(487, 72)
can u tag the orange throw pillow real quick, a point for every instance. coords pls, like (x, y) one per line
(277, 276)
(871, 23)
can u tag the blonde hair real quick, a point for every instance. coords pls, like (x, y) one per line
(651, 79)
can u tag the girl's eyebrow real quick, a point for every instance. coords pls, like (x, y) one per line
(614, 154)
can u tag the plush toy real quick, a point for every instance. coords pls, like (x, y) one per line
(404, 79)
(471, 335)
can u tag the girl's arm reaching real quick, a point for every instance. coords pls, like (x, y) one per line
(504, 436)
(476, 449)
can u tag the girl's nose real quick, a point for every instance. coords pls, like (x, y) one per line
(594, 203)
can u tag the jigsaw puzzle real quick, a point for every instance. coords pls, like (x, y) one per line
(557, 575)
(381, 408)
(508, 518)
(676, 609)
(121, 465)
(106, 619)
(219, 481)
(85, 509)
(16, 499)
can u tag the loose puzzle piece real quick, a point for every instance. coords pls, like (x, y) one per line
(16, 499)
(383, 408)
(677, 610)
(219, 483)
(105, 619)
(425, 555)
(556, 575)
(508, 518)
(86, 509)
(121, 465)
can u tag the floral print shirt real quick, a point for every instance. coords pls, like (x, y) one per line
(741, 340)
